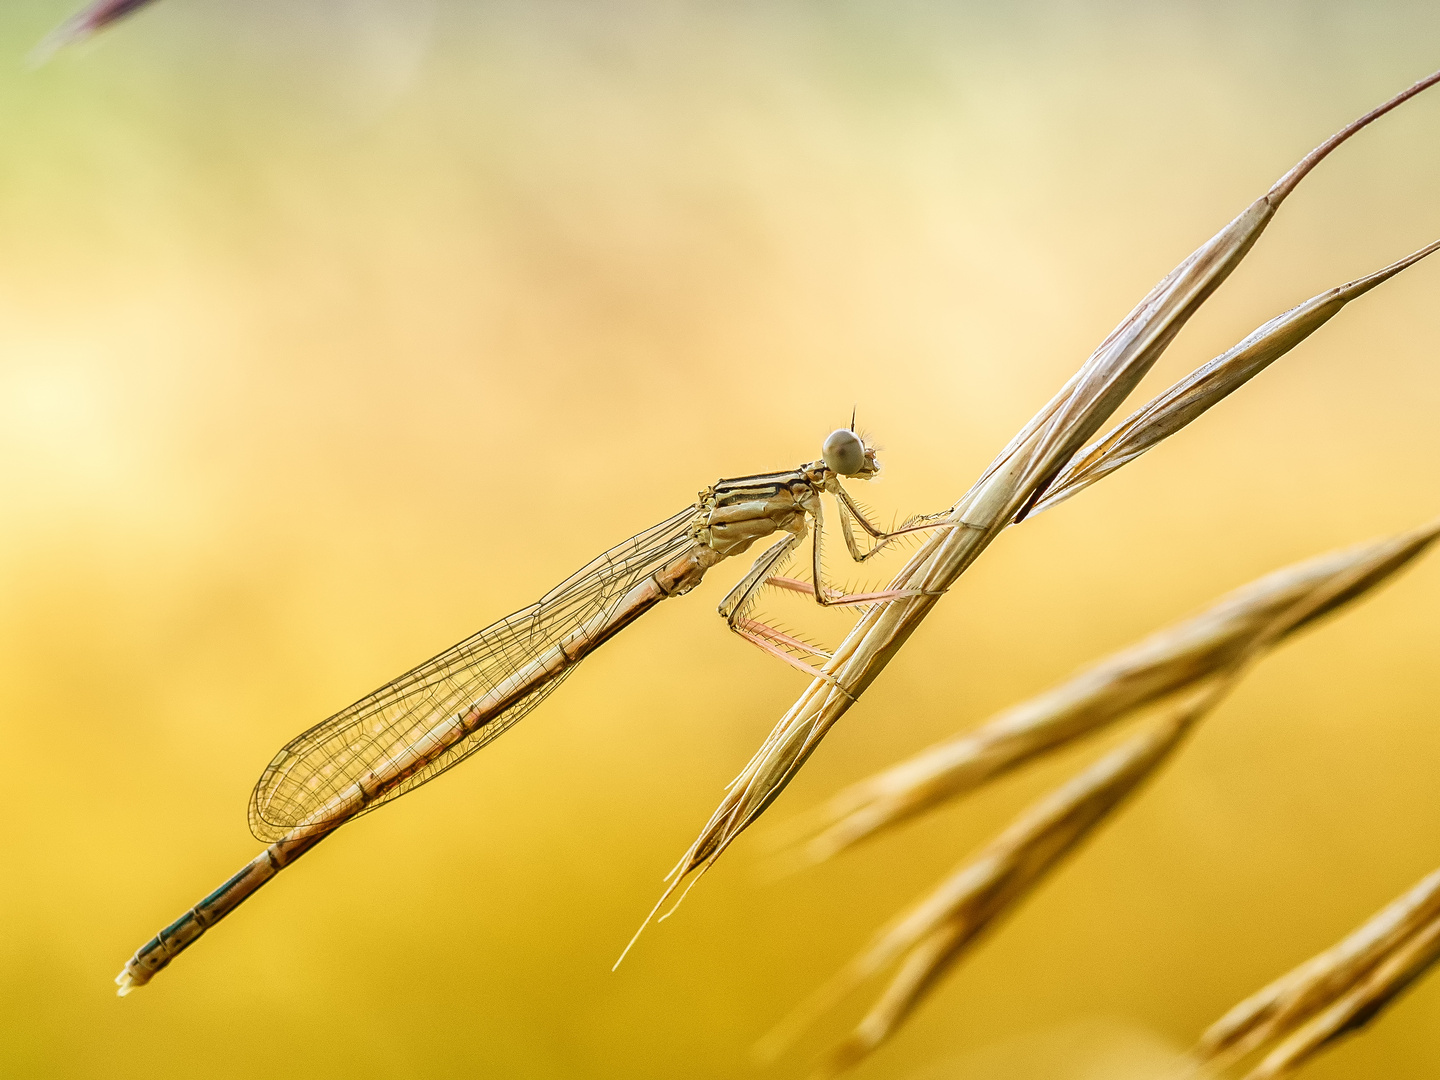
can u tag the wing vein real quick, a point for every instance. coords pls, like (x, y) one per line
(315, 768)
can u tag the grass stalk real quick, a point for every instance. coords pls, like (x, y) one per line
(1008, 489)
(1210, 383)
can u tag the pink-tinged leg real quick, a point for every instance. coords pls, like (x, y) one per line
(780, 637)
(793, 584)
(762, 637)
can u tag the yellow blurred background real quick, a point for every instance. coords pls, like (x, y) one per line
(332, 330)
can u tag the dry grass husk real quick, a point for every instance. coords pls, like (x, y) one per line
(1117, 686)
(1009, 489)
(934, 933)
(1210, 383)
(1332, 994)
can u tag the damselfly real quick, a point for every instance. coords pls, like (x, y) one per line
(429, 719)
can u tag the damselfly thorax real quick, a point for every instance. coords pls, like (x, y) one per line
(733, 514)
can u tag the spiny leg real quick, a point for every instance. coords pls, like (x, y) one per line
(776, 642)
(768, 639)
(765, 639)
(738, 598)
(850, 508)
(823, 594)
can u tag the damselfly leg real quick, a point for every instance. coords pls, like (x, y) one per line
(740, 601)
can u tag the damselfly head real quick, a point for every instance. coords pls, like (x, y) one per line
(846, 455)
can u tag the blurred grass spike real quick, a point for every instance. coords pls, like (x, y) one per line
(1141, 675)
(82, 24)
(1006, 492)
(934, 933)
(1332, 994)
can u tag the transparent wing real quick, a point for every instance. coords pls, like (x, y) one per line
(316, 766)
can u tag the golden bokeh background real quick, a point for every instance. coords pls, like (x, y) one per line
(332, 330)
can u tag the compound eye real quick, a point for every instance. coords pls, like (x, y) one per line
(844, 453)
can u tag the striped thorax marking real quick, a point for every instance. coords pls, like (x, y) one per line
(734, 513)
